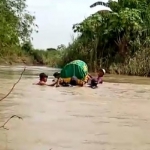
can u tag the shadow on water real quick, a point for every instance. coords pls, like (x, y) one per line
(74, 118)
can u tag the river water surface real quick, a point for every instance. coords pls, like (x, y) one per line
(115, 116)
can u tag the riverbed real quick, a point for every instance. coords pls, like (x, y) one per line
(114, 116)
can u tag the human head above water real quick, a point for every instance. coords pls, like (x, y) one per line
(56, 74)
(43, 77)
(101, 72)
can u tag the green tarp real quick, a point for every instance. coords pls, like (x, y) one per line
(76, 68)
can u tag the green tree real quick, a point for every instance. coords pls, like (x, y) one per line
(16, 23)
(27, 47)
(51, 49)
(114, 36)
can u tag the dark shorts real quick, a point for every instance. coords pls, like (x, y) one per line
(94, 83)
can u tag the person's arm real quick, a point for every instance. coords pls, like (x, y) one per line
(87, 79)
(89, 76)
(52, 84)
(40, 83)
(55, 83)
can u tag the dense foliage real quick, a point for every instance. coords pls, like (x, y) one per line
(16, 23)
(118, 40)
(48, 57)
(16, 26)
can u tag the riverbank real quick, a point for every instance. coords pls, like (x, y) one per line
(32, 57)
(28, 62)
(16, 61)
(136, 65)
(35, 70)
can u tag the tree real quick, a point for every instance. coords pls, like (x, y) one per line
(51, 49)
(16, 23)
(61, 47)
(27, 47)
(120, 32)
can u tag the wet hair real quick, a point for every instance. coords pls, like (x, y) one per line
(56, 74)
(94, 83)
(43, 75)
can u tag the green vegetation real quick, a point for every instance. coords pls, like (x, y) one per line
(48, 57)
(17, 25)
(118, 40)
(16, 28)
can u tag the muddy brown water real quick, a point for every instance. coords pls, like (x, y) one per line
(116, 116)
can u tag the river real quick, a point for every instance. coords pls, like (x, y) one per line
(115, 116)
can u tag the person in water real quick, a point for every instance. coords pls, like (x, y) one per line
(74, 81)
(101, 73)
(57, 81)
(42, 79)
(94, 81)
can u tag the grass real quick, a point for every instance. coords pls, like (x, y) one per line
(138, 65)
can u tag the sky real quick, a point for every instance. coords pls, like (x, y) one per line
(55, 19)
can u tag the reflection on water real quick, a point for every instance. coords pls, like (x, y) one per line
(113, 117)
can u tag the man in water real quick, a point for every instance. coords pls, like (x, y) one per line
(42, 79)
(74, 81)
(98, 79)
(101, 73)
(57, 81)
